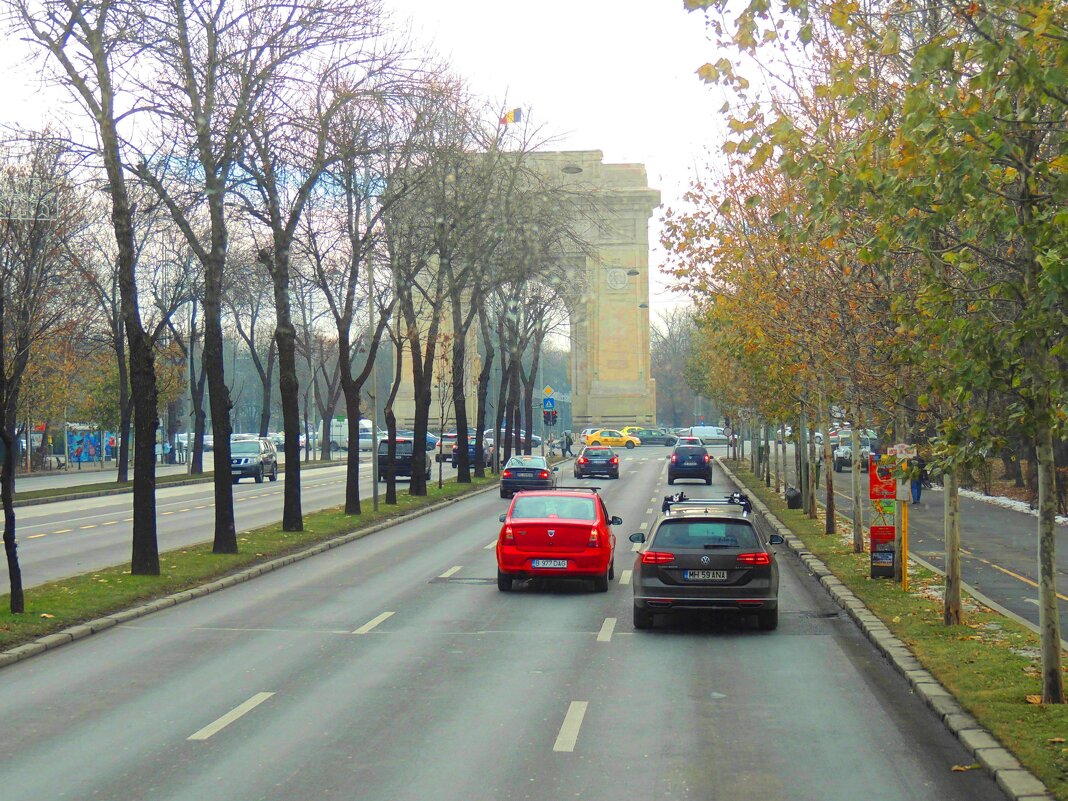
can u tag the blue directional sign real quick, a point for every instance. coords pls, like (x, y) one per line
(548, 404)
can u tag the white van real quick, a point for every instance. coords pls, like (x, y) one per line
(709, 435)
(339, 433)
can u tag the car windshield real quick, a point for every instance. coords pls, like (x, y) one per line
(527, 461)
(706, 534)
(533, 507)
(245, 448)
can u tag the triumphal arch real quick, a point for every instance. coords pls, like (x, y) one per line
(611, 382)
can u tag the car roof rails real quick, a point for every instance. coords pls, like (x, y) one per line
(571, 489)
(734, 499)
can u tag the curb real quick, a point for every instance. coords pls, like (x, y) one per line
(1015, 781)
(81, 630)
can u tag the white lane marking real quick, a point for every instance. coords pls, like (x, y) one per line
(491, 545)
(164, 514)
(451, 571)
(126, 520)
(569, 730)
(636, 547)
(202, 506)
(184, 510)
(92, 526)
(230, 717)
(35, 536)
(63, 531)
(649, 511)
(110, 523)
(370, 624)
(1028, 600)
(605, 634)
(624, 577)
(644, 526)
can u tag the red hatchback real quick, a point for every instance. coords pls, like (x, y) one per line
(557, 534)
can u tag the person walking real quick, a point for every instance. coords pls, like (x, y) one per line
(918, 480)
(567, 445)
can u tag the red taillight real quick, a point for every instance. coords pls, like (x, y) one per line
(615, 460)
(657, 558)
(707, 457)
(506, 474)
(594, 540)
(583, 460)
(755, 559)
(674, 458)
(543, 474)
(507, 537)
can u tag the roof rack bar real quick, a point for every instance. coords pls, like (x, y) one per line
(734, 499)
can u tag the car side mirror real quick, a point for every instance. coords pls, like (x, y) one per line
(637, 536)
(776, 539)
(502, 517)
(616, 520)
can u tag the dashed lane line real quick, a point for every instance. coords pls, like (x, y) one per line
(569, 729)
(35, 536)
(491, 546)
(451, 571)
(624, 577)
(63, 531)
(83, 528)
(370, 624)
(605, 634)
(230, 717)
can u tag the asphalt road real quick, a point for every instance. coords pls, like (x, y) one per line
(66, 538)
(392, 668)
(999, 546)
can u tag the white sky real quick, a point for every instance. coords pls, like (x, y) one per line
(610, 75)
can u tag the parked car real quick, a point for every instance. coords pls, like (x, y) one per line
(253, 457)
(706, 555)
(557, 534)
(402, 459)
(613, 438)
(689, 461)
(654, 436)
(597, 460)
(709, 435)
(487, 453)
(527, 473)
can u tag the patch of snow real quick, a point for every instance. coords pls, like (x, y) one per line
(1003, 502)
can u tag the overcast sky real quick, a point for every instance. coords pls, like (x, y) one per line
(610, 75)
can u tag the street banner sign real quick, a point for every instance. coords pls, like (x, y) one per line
(548, 404)
(881, 483)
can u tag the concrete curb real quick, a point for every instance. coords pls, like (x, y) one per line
(77, 632)
(1014, 780)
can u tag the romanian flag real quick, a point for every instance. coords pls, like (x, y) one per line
(515, 115)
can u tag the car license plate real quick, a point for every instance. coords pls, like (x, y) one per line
(690, 461)
(557, 563)
(704, 575)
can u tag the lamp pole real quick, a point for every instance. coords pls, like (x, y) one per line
(370, 335)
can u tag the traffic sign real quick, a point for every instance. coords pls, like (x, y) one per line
(548, 391)
(548, 404)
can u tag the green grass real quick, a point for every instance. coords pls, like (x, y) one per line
(990, 663)
(58, 604)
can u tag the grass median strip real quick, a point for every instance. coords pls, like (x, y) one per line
(56, 605)
(991, 664)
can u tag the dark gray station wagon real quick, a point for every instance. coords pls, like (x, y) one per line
(706, 554)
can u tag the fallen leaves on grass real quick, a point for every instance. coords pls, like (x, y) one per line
(1055, 740)
(1035, 699)
(46, 615)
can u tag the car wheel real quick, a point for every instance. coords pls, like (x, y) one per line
(612, 570)
(505, 494)
(643, 618)
(274, 474)
(600, 583)
(630, 446)
(236, 480)
(259, 475)
(504, 582)
(768, 620)
(671, 479)
(708, 481)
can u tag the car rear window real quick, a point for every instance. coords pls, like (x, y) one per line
(599, 452)
(690, 450)
(403, 448)
(538, 507)
(706, 533)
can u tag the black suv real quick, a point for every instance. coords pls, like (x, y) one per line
(253, 458)
(402, 459)
(690, 461)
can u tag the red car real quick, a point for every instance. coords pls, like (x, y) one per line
(557, 534)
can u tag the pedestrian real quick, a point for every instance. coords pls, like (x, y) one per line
(919, 477)
(567, 444)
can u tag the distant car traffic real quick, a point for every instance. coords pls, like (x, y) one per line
(612, 438)
(403, 459)
(654, 436)
(706, 555)
(527, 473)
(597, 460)
(689, 461)
(557, 534)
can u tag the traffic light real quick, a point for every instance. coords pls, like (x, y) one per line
(552, 417)
(546, 417)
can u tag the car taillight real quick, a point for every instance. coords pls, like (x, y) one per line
(707, 457)
(674, 458)
(506, 474)
(615, 460)
(507, 537)
(758, 558)
(594, 540)
(583, 460)
(543, 474)
(657, 558)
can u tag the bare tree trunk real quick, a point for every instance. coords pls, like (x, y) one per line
(391, 427)
(1048, 614)
(265, 402)
(220, 404)
(285, 336)
(858, 504)
(952, 609)
(828, 465)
